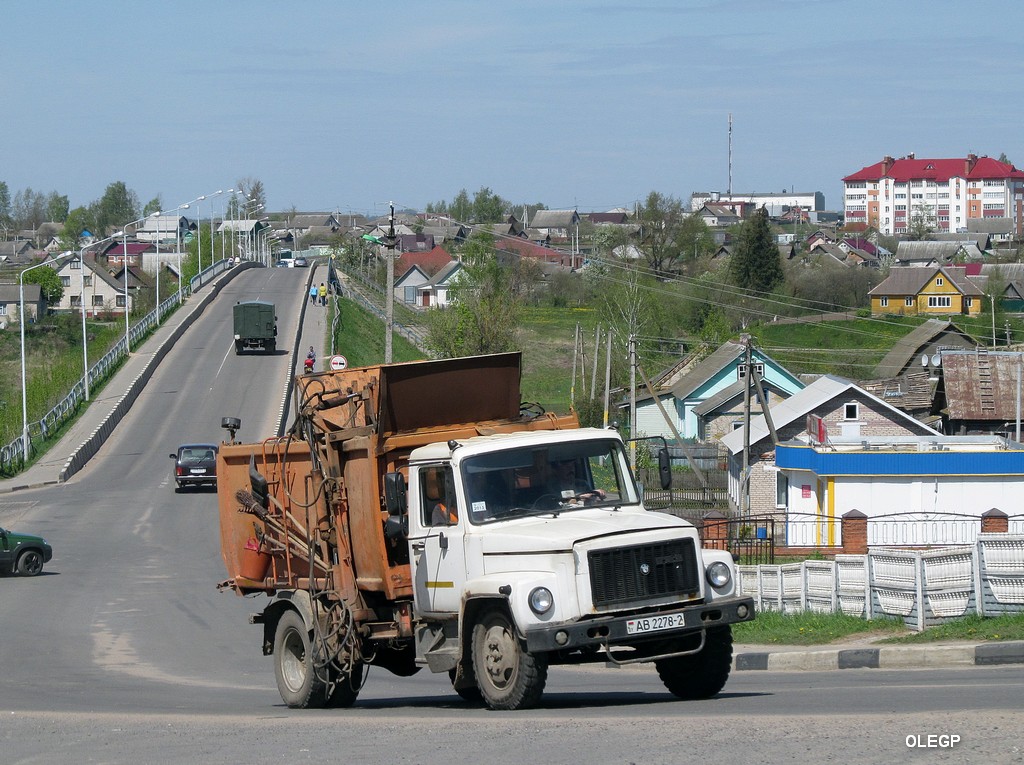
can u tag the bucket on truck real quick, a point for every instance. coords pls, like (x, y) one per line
(253, 562)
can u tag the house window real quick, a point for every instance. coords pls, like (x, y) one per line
(97, 301)
(970, 302)
(741, 371)
(938, 281)
(86, 280)
(781, 490)
(66, 281)
(909, 302)
(76, 301)
(3, 309)
(851, 411)
(884, 301)
(120, 301)
(75, 264)
(939, 301)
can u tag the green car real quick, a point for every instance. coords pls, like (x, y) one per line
(23, 554)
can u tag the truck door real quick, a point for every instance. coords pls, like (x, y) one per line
(437, 557)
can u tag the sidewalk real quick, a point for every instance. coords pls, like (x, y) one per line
(870, 655)
(105, 410)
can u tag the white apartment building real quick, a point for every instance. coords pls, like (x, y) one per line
(776, 203)
(949, 192)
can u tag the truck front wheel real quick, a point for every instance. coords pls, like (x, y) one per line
(508, 676)
(297, 680)
(700, 675)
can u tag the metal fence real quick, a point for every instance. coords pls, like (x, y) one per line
(13, 455)
(924, 588)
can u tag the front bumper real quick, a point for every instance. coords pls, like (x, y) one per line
(611, 630)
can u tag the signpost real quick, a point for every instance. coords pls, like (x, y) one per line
(338, 362)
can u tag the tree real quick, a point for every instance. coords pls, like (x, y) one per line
(116, 208)
(29, 209)
(153, 205)
(48, 281)
(922, 222)
(57, 207)
(78, 220)
(695, 240)
(5, 205)
(488, 207)
(253, 191)
(485, 314)
(660, 219)
(756, 264)
(461, 207)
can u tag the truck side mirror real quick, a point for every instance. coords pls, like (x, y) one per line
(664, 468)
(395, 500)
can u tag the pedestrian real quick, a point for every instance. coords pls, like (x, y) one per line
(312, 294)
(323, 293)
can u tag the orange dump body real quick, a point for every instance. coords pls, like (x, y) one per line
(322, 525)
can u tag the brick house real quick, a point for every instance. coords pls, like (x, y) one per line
(842, 408)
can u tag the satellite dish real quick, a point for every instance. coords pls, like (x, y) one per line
(924, 359)
(936, 360)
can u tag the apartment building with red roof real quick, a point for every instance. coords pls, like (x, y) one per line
(888, 194)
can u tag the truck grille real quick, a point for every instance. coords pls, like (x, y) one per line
(643, 572)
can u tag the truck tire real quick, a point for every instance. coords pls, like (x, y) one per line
(700, 675)
(30, 563)
(508, 677)
(272, 347)
(346, 687)
(238, 347)
(297, 677)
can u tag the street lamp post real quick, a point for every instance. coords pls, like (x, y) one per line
(85, 337)
(124, 263)
(199, 234)
(24, 390)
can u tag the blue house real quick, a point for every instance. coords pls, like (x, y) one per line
(704, 398)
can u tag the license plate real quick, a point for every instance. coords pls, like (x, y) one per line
(655, 623)
(198, 471)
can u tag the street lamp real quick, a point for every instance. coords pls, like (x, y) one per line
(156, 217)
(24, 392)
(85, 337)
(124, 263)
(199, 234)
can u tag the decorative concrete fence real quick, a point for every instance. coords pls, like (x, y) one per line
(923, 587)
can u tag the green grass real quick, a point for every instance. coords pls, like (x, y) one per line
(547, 336)
(1005, 627)
(360, 338)
(851, 348)
(809, 628)
(773, 628)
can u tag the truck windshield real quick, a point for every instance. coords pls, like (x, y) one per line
(544, 479)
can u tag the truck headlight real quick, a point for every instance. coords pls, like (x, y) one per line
(541, 600)
(718, 574)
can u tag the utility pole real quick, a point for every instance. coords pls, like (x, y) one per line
(745, 475)
(632, 402)
(389, 299)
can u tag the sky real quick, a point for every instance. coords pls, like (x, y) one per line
(347, 106)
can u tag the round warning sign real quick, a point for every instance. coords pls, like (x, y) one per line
(338, 362)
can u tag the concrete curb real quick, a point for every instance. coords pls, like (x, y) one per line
(888, 657)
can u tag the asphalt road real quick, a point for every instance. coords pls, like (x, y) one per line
(124, 651)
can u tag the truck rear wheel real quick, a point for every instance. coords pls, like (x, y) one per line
(700, 675)
(508, 676)
(297, 679)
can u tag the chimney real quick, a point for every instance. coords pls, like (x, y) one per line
(969, 163)
(886, 165)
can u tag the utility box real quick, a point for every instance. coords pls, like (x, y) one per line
(255, 326)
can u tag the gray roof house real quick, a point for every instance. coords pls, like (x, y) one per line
(10, 303)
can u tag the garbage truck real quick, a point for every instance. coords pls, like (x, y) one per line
(255, 324)
(419, 515)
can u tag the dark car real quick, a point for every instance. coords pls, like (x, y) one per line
(23, 554)
(195, 465)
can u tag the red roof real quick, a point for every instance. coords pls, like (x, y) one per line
(429, 262)
(911, 168)
(527, 249)
(134, 248)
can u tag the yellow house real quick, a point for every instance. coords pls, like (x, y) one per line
(917, 291)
